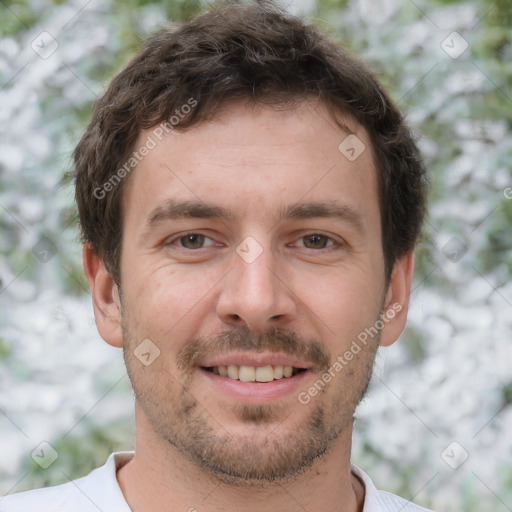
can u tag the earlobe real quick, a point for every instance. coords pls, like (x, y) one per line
(105, 297)
(396, 302)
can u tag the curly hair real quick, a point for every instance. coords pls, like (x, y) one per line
(246, 51)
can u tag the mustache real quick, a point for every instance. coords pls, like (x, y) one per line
(273, 339)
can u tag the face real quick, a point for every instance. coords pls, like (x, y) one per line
(251, 261)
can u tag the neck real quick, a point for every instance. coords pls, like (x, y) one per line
(160, 478)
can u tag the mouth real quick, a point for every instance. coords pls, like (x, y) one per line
(260, 374)
(253, 378)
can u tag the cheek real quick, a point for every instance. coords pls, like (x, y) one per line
(167, 303)
(346, 302)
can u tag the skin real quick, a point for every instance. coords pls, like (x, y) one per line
(197, 445)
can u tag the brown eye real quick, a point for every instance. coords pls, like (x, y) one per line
(192, 241)
(315, 241)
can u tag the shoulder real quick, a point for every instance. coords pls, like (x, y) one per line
(98, 490)
(396, 503)
(382, 501)
(50, 498)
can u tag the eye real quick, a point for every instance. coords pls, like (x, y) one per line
(192, 241)
(316, 241)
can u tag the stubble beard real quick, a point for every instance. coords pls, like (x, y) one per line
(270, 452)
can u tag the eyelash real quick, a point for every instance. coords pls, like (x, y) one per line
(181, 237)
(332, 243)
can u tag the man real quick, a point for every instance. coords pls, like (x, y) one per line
(249, 199)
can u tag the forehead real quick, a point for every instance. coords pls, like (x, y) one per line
(256, 159)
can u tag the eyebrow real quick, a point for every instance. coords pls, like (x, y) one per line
(174, 209)
(329, 209)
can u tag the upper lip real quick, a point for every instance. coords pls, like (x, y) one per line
(253, 359)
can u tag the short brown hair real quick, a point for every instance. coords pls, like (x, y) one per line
(237, 51)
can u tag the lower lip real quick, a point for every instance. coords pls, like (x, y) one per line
(255, 392)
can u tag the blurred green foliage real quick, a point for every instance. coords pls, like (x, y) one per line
(491, 50)
(81, 452)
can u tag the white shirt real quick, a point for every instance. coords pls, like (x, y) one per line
(99, 490)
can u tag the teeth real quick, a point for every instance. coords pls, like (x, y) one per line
(247, 374)
(278, 372)
(233, 372)
(254, 373)
(264, 374)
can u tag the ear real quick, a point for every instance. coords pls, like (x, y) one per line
(105, 297)
(396, 303)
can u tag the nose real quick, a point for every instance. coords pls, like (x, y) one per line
(257, 294)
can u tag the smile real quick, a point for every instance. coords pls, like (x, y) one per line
(253, 377)
(261, 374)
